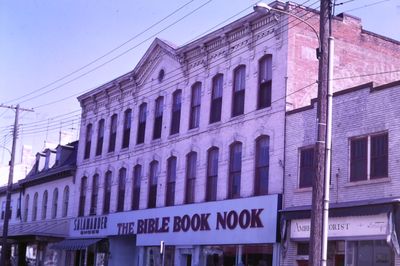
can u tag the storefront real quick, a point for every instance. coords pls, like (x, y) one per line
(357, 235)
(230, 232)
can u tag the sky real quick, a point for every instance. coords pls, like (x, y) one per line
(53, 51)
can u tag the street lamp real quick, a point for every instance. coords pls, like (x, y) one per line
(265, 8)
(321, 184)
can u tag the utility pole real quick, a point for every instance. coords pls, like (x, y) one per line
(5, 250)
(317, 209)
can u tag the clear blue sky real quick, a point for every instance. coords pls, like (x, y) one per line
(42, 41)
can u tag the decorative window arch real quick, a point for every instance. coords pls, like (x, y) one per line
(55, 204)
(65, 202)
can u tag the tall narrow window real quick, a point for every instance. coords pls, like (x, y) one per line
(191, 165)
(88, 141)
(26, 211)
(121, 189)
(35, 207)
(82, 196)
(142, 123)
(212, 174)
(262, 166)
(65, 202)
(95, 193)
(176, 112)
(171, 179)
(127, 128)
(216, 98)
(359, 159)
(265, 82)
(44, 204)
(107, 192)
(235, 170)
(113, 133)
(137, 177)
(55, 204)
(100, 138)
(307, 171)
(379, 156)
(195, 106)
(153, 184)
(238, 90)
(158, 116)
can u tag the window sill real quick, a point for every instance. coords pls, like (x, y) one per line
(367, 182)
(302, 190)
(156, 141)
(192, 130)
(173, 136)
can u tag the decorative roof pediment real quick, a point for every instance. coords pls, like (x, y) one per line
(153, 56)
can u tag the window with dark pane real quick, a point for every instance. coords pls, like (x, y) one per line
(262, 166)
(95, 195)
(359, 159)
(235, 170)
(65, 202)
(158, 117)
(239, 85)
(44, 204)
(153, 184)
(307, 170)
(212, 174)
(88, 141)
(141, 123)
(113, 133)
(171, 181)
(100, 137)
(216, 98)
(265, 82)
(127, 128)
(137, 177)
(379, 156)
(82, 196)
(176, 112)
(55, 204)
(121, 189)
(195, 106)
(191, 168)
(107, 192)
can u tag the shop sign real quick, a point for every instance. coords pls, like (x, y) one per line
(345, 227)
(247, 220)
(89, 226)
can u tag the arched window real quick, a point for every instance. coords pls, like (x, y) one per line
(171, 180)
(158, 116)
(235, 170)
(88, 141)
(113, 133)
(195, 104)
(216, 98)
(127, 128)
(264, 81)
(141, 123)
(137, 177)
(26, 208)
(55, 204)
(121, 189)
(212, 174)
(239, 86)
(107, 192)
(44, 204)
(191, 168)
(153, 184)
(95, 193)
(176, 112)
(65, 202)
(82, 196)
(35, 207)
(100, 138)
(262, 166)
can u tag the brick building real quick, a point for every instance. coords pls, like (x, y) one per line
(364, 193)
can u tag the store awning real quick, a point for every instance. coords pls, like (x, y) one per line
(75, 244)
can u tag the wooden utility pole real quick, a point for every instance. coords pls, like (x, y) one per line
(5, 250)
(315, 256)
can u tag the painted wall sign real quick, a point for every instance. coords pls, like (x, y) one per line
(247, 220)
(351, 226)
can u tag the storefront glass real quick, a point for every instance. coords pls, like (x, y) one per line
(368, 253)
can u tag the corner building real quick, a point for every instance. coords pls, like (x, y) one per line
(185, 153)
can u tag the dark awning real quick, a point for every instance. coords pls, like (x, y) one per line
(75, 244)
